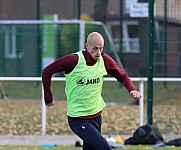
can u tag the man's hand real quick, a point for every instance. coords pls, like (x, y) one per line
(49, 104)
(136, 95)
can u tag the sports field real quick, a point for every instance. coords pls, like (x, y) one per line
(139, 147)
(21, 114)
(20, 117)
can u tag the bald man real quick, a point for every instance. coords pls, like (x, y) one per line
(84, 72)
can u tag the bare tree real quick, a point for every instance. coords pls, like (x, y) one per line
(100, 10)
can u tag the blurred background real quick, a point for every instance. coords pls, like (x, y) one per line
(127, 26)
(37, 32)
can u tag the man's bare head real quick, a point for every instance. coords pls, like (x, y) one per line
(94, 36)
(95, 44)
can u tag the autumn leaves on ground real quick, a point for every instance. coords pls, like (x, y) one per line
(24, 118)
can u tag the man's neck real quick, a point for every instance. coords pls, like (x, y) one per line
(89, 60)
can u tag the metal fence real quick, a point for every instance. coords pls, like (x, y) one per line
(26, 46)
(167, 49)
(25, 59)
(24, 107)
(166, 63)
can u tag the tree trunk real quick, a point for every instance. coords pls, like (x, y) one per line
(100, 10)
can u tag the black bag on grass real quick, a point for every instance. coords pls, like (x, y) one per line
(146, 134)
(175, 142)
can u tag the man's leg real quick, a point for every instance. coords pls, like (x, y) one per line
(89, 131)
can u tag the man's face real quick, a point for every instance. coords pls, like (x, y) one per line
(95, 47)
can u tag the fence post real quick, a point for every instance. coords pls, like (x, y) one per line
(150, 64)
(81, 35)
(141, 102)
(43, 118)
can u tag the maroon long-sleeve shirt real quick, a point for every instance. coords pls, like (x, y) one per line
(68, 63)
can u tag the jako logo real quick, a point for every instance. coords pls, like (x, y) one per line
(82, 81)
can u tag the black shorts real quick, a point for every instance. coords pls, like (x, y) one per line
(89, 130)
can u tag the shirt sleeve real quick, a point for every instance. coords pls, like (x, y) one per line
(65, 64)
(114, 70)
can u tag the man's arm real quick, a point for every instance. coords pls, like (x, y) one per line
(66, 64)
(114, 70)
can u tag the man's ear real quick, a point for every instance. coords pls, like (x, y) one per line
(87, 45)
